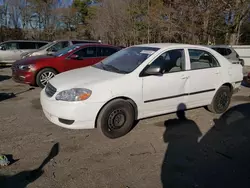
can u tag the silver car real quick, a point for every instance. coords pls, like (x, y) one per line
(10, 51)
(229, 53)
(54, 47)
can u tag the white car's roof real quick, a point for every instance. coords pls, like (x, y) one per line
(167, 45)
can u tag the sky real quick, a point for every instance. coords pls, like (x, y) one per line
(65, 2)
(61, 3)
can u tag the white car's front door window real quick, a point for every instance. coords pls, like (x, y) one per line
(163, 93)
(204, 77)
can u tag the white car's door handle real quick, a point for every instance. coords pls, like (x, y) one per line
(184, 77)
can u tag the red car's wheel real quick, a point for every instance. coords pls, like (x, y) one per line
(44, 75)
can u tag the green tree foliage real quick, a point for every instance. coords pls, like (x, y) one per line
(82, 8)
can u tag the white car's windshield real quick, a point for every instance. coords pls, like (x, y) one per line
(126, 60)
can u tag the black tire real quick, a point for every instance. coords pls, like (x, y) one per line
(221, 100)
(44, 72)
(116, 119)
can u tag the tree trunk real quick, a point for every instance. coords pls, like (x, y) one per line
(205, 27)
(226, 38)
(233, 38)
(239, 32)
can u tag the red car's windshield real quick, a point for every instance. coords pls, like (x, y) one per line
(66, 50)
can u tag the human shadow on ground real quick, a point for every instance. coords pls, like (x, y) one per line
(22, 179)
(6, 96)
(219, 159)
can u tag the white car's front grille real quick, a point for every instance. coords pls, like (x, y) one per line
(14, 68)
(50, 90)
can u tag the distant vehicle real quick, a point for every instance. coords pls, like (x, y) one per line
(246, 80)
(139, 82)
(39, 70)
(244, 53)
(229, 53)
(10, 51)
(54, 47)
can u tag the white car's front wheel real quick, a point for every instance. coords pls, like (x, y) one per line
(116, 118)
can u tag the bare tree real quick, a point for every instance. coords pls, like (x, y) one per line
(238, 11)
(128, 22)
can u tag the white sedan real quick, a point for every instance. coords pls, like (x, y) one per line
(139, 82)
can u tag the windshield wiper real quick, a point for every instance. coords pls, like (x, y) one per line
(111, 67)
(100, 63)
(51, 55)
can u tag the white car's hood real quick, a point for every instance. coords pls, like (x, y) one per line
(83, 77)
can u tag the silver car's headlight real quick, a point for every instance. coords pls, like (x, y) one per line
(29, 54)
(75, 94)
(25, 55)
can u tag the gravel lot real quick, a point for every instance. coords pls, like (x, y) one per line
(207, 150)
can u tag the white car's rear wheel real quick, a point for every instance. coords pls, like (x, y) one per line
(116, 119)
(221, 100)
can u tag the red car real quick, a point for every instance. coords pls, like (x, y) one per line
(246, 80)
(38, 70)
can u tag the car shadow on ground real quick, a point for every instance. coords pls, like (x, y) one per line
(23, 179)
(4, 77)
(218, 159)
(6, 96)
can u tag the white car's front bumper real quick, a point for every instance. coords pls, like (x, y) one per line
(71, 115)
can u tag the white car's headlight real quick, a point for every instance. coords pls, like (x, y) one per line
(75, 94)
